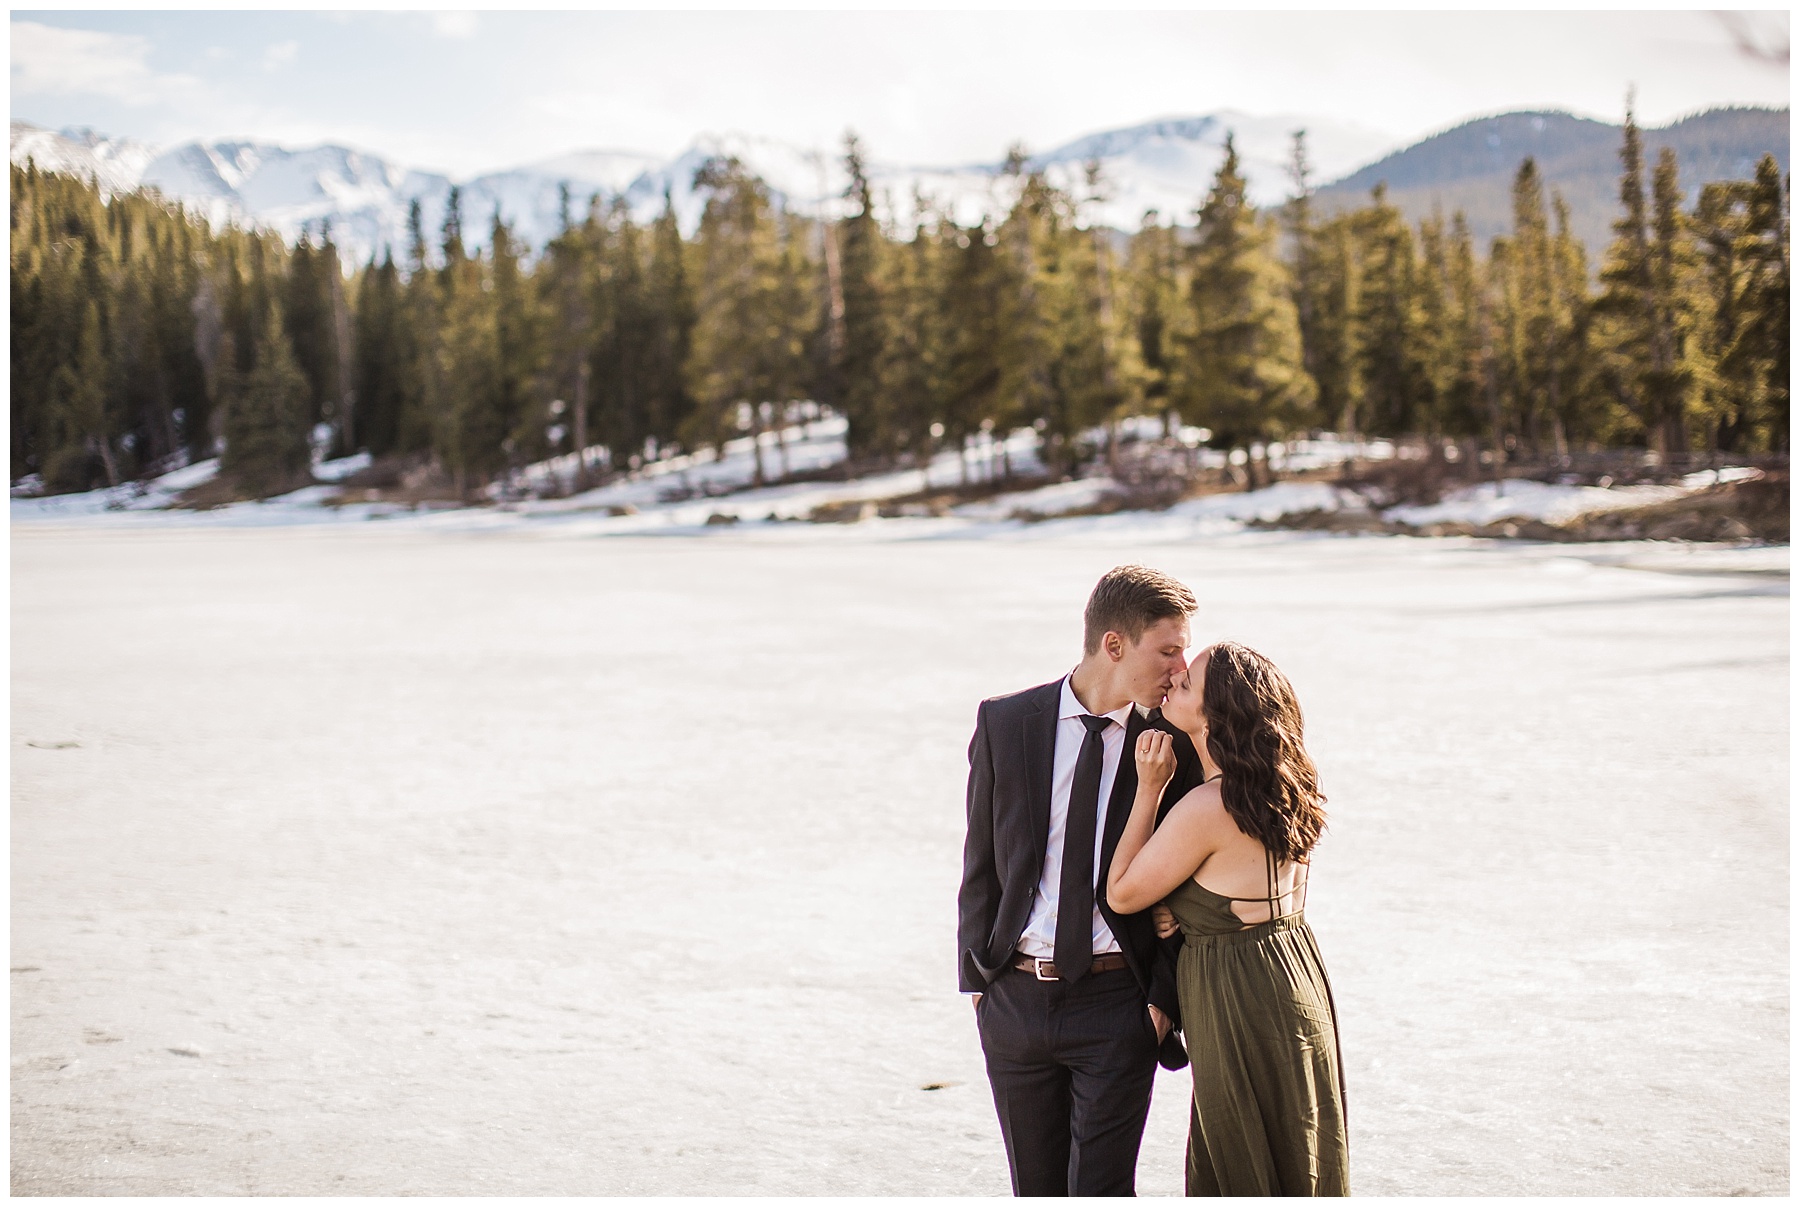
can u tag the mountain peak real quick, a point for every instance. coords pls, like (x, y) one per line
(1469, 167)
(1165, 164)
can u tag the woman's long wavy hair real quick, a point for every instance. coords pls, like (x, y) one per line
(1255, 735)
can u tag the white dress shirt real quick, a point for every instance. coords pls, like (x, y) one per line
(1039, 937)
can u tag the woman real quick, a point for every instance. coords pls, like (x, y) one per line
(1231, 860)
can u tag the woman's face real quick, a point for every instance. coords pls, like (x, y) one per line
(1182, 708)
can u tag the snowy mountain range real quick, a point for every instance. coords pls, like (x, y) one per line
(1163, 165)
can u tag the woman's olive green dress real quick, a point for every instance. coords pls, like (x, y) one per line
(1256, 1009)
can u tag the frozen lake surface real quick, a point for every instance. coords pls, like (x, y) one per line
(366, 860)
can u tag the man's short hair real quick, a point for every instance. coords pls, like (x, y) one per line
(1129, 599)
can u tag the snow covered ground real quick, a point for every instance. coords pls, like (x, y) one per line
(679, 494)
(374, 859)
(692, 492)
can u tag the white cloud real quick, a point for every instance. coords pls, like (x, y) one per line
(280, 54)
(49, 61)
(459, 25)
(467, 92)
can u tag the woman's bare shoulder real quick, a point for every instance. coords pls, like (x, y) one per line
(1202, 804)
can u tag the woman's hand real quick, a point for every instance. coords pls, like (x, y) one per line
(1164, 917)
(1155, 759)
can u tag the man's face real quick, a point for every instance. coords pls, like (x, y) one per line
(1182, 708)
(1149, 665)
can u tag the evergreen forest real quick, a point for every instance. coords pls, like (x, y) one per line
(142, 339)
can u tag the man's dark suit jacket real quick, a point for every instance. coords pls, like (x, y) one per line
(1011, 761)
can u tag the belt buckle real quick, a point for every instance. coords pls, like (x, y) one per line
(1038, 964)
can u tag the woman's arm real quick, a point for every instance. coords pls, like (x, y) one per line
(1151, 860)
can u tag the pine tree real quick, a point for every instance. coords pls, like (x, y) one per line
(135, 260)
(1670, 385)
(420, 315)
(1241, 374)
(1507, 307)
(969, 302)
(1542, 282)
(908, 363)
(618, 342)
(342, 411)
(469, 427)
(66, 419)
(1463, 362)
(131, 387)
(1394, 385)
(80, 411)
(1766, 324)
(1718, 225)
(1067, 321)
(1530, 315)
(312, 326)
(795, 325)
(266, 415)
(1116, 376)
(380, 366)
(1336, 354)
(1442, 329)
(182, 404)
(1643, 317)
(1153, 266)
(565, 287)
(750, 335)
(518, 350)
(1740, 236)
(1304, 254)
(1570, 387)
(1027, 264)
(864, 326)
(670, 303)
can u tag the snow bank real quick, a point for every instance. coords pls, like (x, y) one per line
(1059, 498)
(1718, 477)
(155, 494)
(802, 448)
(337, 471)
(678, 494)
(1522, 499)
(1270, 503)
(692, 493)
(158, 495)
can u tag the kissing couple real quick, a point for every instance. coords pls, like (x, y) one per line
(1139, 843)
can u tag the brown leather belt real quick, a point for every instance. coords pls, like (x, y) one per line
(1045, 970)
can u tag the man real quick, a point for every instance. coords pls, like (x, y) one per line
(1073, 1001)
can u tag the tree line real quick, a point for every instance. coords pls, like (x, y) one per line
(141, 337)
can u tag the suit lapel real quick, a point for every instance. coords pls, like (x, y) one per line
(1040, 763)
(1124, 791)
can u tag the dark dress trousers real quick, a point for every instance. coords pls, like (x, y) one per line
(1071, 1065)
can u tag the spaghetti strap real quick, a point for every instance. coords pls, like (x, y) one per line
(1274, 883)
(1273, 893)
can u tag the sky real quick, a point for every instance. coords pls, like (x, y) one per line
(467, 92)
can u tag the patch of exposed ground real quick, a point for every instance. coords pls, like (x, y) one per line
(1733, 511)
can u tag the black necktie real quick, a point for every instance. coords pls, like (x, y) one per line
(1075, 895)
